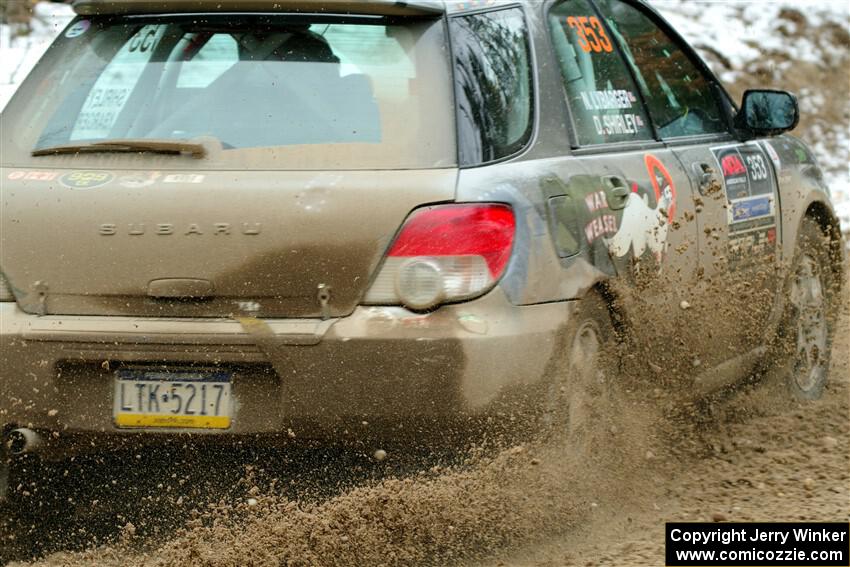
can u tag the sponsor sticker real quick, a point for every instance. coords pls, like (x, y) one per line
(662, 184)
(138, 180)
(78, 29)
(86, 179)
(774, 155)
(746, 172)
(33, 175)
(184, 178)
(735, 177)
(750, 193)
(752, 208)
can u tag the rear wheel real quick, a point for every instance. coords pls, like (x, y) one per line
(9, 508)
(581, 394)
(801, 355)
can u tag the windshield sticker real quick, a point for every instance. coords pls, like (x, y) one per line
(591, 35)
(618, 124)
(86, 179)
(608, 100)
(183, 178)
(78, 29)
(600, 102)
(111, 91)
(33, 175)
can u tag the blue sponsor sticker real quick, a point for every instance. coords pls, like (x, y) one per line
(751, 209)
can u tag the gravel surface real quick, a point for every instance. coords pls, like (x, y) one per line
(751, 459)
(747, 455)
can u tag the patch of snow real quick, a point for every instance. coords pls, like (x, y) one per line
(20, 54)
(742, 31)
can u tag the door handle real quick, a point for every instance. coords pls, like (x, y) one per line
(619, 192)
(704, 175)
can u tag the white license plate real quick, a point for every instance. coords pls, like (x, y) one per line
(180, 399)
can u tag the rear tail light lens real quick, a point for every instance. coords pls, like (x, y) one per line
(445, 253)
(5, 289)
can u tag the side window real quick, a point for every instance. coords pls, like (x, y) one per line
(602, 96)
(679, 96)
(494, 90)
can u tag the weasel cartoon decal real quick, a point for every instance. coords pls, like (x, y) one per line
(622, 237)
(644, 226)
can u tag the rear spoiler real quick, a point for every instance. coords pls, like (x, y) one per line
(416, 8)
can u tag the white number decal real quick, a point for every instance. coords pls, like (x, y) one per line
(757, 167)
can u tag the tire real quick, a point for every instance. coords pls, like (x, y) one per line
(800, 357)
(5, 473)
(580, 398)
(9, 509)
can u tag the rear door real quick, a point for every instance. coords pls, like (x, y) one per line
(734, 184)
(627, 193)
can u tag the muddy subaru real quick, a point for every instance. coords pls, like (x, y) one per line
(240, 220)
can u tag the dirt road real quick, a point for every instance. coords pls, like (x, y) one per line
(742, 457)
(752, 460)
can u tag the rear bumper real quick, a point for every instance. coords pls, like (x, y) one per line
(315, 378)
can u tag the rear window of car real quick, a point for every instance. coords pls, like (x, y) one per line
(306, 94)
(494, 85)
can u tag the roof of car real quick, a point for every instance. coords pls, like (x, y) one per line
(411, 8)
(372, 7)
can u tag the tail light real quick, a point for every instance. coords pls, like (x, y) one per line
(445, 253)
(5, 289)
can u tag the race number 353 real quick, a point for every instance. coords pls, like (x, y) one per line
(591, 34)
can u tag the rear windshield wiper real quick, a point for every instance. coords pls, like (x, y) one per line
(170, 147)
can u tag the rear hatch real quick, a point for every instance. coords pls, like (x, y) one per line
(211, 244)
(212, 165)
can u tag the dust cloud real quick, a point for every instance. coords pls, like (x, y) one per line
(745, 454)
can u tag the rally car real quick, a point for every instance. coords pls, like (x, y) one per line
(321, 219)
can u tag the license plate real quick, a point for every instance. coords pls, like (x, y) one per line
(179, 399)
